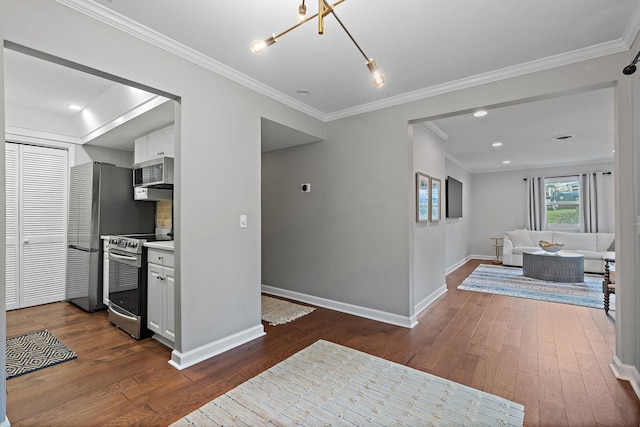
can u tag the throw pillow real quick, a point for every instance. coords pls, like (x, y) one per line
(520, 238)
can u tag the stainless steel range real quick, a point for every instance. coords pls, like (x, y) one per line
(128, 283)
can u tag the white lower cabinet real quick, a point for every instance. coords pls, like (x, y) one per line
(160, 298)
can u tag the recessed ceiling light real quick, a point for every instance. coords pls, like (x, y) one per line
(563, 137)
(506, 162)
(74, 107)
(303, 92)
(480, 113)
(497, 144)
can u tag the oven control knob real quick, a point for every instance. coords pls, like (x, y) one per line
(133, 244)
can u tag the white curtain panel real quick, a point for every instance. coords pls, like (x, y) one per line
(536, 207)
(589, 202)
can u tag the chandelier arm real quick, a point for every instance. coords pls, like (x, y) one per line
(366, 58)
(304, 21)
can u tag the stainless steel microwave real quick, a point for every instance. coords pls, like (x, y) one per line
(156, 173)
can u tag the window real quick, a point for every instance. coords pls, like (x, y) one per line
(563, 203)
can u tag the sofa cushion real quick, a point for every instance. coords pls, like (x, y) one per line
(536, 236)
(606, 241)
(579, 241)
(588, 254)
(519, 250)
(519, 238)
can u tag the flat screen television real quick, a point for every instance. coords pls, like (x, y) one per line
(454, 198)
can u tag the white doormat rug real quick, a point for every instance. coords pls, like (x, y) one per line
(497, 279)
(277, 311)
(327, 384)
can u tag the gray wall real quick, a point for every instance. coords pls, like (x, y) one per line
(499, 202)
(458, 230)
(627, 160)
(346, 240)
(429, 237)
(89, 153)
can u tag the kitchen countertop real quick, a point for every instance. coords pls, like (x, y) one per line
(166, 245)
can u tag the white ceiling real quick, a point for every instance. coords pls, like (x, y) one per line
(526, 132)
(423, 47)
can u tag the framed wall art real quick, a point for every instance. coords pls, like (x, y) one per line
(422, 197)
(435, 187)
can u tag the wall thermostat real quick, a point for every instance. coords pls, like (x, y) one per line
(305, 188)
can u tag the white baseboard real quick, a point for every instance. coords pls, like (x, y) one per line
(487, 257)
(368, 313)
(430, 299)
(457, 265)
(184, 360)
(460, 263)
(627, 373)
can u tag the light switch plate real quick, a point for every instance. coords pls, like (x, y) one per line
(243, 221)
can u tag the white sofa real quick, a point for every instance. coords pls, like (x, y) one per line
(594, 246)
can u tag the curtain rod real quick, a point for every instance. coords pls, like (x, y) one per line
(570, 176)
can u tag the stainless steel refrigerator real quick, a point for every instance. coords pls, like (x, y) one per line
(100, 203)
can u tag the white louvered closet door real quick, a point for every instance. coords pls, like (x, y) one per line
(40, 225)
(13, 249)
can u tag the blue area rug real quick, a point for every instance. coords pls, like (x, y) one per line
(497, 279)
(31, 352)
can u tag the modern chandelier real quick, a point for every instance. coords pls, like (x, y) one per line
(324, 8)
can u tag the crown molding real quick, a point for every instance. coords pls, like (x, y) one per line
(435, 129)
(632, 28)
(536, 167)
(578, 55)
(457, 162)
(129, 26)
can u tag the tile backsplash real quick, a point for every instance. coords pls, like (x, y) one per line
(164, 214)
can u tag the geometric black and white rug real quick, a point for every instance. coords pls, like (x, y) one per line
(31, 352)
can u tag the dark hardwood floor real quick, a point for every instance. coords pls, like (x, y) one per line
(552, 358)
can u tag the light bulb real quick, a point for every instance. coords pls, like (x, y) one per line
(302, 12)
(378, 79)
(257, 46)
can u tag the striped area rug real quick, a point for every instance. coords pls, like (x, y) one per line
(328, 384)
(497, 279)
(31, 352)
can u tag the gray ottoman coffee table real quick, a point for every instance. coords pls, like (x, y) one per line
(558, 267)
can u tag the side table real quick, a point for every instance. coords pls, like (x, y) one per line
(497, 243)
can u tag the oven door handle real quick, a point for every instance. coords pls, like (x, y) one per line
(123, 257)
(133, 319)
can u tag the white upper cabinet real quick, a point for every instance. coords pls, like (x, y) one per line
(160, 143)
